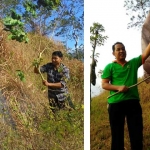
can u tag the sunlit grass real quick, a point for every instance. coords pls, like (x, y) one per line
(28, 122)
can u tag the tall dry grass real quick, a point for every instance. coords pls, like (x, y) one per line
(100, 129)
(26, 121)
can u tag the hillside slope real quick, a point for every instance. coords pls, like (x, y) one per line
(100, 129)
(26, 120)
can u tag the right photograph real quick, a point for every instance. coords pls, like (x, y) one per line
(119, 75)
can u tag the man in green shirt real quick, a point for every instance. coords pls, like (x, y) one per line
(117, 77)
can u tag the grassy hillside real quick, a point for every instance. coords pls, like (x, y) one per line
(100, 129)
(26, 122)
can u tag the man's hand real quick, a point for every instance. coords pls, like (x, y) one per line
(52, 85)
(45, 83)
(122, 88)
(36, 70)
(107, 86)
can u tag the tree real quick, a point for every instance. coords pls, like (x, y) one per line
(96, 39)
(137, 10)
(44, 16)
(57, 19)
(6, 6)
(80, 53)
(15, 22)
(71, 26)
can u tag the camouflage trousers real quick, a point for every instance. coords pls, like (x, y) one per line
(56, 105)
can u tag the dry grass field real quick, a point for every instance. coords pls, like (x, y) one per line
(100, 129)
(26, 121)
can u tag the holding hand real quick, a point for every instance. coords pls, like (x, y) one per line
(122, 88)
(45, 83)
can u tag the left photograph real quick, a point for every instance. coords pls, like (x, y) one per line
(42, 75)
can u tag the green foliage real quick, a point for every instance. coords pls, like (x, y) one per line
(14, 15)
(37, 62)
(49, 4)
(10, 23)
(16, 27)
(21, 75)
(96, 38)
(60, 69)
(18, 35)
(30, 7)
(64, 125)
(14, 23)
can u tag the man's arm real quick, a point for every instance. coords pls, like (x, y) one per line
(146, 53)
(53, 85)
(60, 84)
(107, 86)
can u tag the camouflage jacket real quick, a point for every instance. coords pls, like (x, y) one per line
(54, 76)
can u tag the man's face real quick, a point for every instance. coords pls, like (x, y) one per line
(119, 52)
(56, 60)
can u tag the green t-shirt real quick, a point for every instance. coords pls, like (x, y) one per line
(123, 75)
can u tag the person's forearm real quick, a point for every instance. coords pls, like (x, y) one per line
(146, 53)
(55, 85)
(110, 87)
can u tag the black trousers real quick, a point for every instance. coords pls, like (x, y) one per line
(131, 110)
